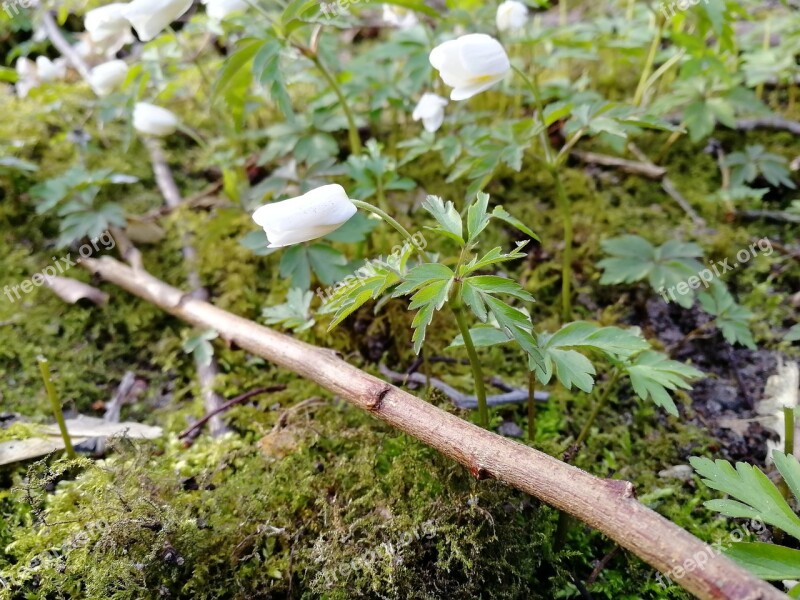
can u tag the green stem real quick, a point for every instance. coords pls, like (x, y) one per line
(563, 201)
(531, 406)
(385, 216)
(566, 259)
(648, 65)
(788, 417)
(355, 140)
(55, 404)
(598, 406)
(477, 371)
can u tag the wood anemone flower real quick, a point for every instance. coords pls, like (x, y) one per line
(307, 217)
(470, 64)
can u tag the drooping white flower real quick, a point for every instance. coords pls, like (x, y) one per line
(150, 119)
(470, 64)
(430, 109)
(511, 15)
(151, 17)
(105, 78)
(219, 9)
(50, 70)
(27, 79)
(107, 27)
(307, 217)
(399, 17)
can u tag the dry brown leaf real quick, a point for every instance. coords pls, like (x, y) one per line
(72, 290)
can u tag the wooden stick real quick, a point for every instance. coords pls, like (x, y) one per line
(633, 167)
(607, 505)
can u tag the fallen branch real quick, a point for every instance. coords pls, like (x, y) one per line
(778, 123)
(605, 504)
(645, 169)
(462, 401)
(206, 372)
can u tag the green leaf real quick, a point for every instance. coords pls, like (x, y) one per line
(199, 346)
(789, 468)
(573, 368)
(477, 219)
(653, 374)
(482, 337)
(294, 314)
(665, 267)
(793, 335)
(447, 216)
(493, 257)
(328, 264)
(500, 213)
(518, 325)
(295, 265)
(431, 284)
(754, 495)
(766, 561)
(732, 319)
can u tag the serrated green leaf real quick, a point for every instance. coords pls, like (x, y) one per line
(500, 213)
(477, 219)
(789, 468)
(753, 494)
(793, 335)
(732, 319)
(447, 216)
(652, 374)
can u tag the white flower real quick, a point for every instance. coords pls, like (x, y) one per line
(511, 15)
(48, 70)
(105, 78)
(430, 109)
(219, 9)
(151, 17)
(150, 119)
(27, 78)
(470, 64)
(107, 27)
(307, 217)
(396, 16)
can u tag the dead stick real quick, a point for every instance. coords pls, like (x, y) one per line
(62, 45)
(229, 404)
(206, 372)
(607, 505)
(633, 167)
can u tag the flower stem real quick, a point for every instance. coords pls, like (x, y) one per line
(385, 216)
(55, 404)
(477, 371)
(355, 140)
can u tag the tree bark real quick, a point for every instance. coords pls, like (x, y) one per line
(607, 505)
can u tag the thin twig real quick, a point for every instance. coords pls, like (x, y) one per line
(776, 216)
(229, 404)
(649, 170)
(62, 45)
(513, 396)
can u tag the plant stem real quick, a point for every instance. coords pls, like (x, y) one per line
(477, 371)
(355, 140)
(563, 201)
(531, 406)
(384, 216)
(566, 259)
(788, 417)
(598, 406)
(55, 404)
(648, 65)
